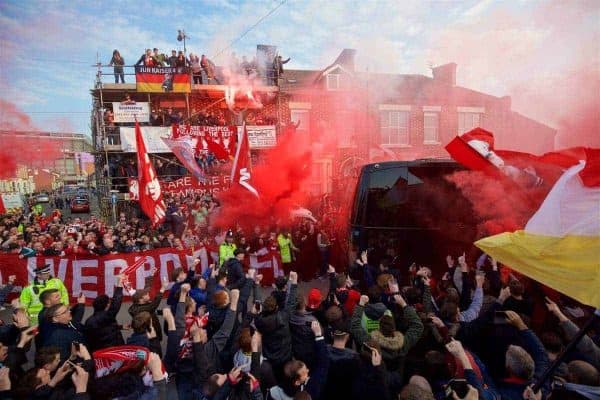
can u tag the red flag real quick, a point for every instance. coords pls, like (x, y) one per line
(217, 149)
(2, 209)
(240, 172)
(590, 175)
(151, 201)
(473, 149)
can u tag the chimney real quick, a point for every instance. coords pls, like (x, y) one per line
(445, 74)
(346, 59)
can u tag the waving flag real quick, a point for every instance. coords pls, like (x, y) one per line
(184, 151)
(150, 195)
(217, 149)
(240, 172)
(560, 245)
(475, 150)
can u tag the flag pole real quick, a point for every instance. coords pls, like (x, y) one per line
(572, 344)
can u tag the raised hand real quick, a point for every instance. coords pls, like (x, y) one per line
(80, 379)
(455, 348)
(479, 279)
(375, 357)
(363, 300)
(234, 296)
(316, 328)
(515, 320)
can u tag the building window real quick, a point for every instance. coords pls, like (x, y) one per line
(468, 121)
(431, 125)
(302, 116)
(394, 128)
(333, 82)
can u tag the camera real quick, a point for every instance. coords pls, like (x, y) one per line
(458, 386)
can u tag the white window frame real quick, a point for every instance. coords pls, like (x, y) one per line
(436, 139)
(387, 125)
(329, 78)
(306, 111)
(470, 112)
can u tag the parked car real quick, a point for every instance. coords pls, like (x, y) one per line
(80, 205)
(42, 198)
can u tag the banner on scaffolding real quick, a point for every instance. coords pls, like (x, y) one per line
(188, 185)
(163, 79)
(259, 136)
(127, 112)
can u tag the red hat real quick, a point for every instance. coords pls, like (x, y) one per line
(314, 298)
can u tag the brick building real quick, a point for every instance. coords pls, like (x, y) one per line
(357, 117)
(395, 116)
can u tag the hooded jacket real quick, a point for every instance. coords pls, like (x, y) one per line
(393, 349)
(372, 314)
(275, 331)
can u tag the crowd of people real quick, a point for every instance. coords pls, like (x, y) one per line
(371, 330)
(202, 69)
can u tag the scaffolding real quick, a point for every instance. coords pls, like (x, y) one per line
(106, 138)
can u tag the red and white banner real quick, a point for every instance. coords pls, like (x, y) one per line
(95, 275)
(220, 140)
(190, 186)
(150, 195)
(117, 359)
(187, 186)
(218, 133)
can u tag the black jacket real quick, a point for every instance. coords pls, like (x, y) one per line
(303, 338)
(151, 307)
(275, 331)
(235, 273)
(102, 329)
(343, 368)
(62, 335)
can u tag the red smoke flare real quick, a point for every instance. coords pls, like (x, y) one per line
(32, 152)
(279, 181)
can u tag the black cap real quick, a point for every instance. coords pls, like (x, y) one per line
(229, 233)
(239, 251)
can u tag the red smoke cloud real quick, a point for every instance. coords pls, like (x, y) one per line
(499, 205)
(279, 180)
(15, 151)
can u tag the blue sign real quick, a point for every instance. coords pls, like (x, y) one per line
(113, 198)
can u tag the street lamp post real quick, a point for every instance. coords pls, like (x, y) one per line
(182, 36)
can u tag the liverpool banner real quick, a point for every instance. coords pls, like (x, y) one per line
(95, 275)
(162, 79)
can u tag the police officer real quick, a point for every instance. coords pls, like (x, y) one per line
(30, 296)
(226, 248)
